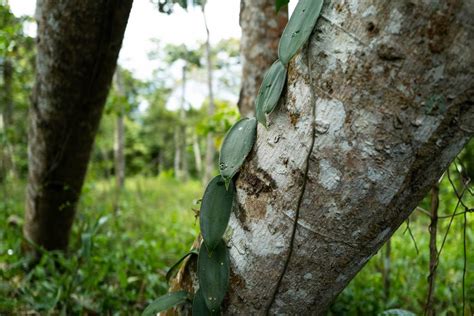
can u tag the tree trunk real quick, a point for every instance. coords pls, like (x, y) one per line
(197, 154)
(261, 32)
(210, 150)
(376, 107)
(78, 44)
(119, 150)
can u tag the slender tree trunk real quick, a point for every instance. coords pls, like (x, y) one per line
(261, 32)
(197, 154)
(376, 107)
(180, 136)
(429, 308)
(78, 44)
(177, 153)
(8, 92)
(210, 149)
(119, 144)
(6, 120)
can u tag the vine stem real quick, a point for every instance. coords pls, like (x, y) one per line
(303, 188)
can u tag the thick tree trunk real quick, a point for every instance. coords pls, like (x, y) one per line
(385, 93)
(210, 149)
(78, 44)
(261, 31)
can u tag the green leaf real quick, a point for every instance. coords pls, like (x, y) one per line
(236, 146)
(213, 274)
(299, 28)
(280, 4)
(270, 91)
(172, 271)
(200, 307)
(215, 211)
(165, 302)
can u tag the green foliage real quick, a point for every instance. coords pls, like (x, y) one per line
(237, 144)
(116, 262)
(280, 4)
(174, 269)
(165, 302)
(213, 273)
(214, 215)
(270, 91)
(200, 307)
(299, 28)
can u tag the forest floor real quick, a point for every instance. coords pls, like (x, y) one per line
(117, 262)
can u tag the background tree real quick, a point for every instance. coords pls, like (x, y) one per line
(366, 127)
(261, 31)
(71, 87)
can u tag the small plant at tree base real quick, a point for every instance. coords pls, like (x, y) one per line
(213, 259)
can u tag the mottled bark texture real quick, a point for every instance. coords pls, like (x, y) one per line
(78, 44)
(391, 85)
(261, 32)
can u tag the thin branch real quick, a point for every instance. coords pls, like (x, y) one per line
(464, 265)
(411, 236)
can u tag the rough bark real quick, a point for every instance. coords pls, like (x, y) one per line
(261, 31)
(387, 87)
(78, 43)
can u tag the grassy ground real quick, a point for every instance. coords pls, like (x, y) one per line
(117, 262)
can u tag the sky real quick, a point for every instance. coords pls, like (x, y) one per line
(147, 24)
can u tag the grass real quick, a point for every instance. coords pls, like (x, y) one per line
(117, 263)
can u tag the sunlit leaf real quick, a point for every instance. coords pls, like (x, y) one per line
(213, 274)
(270, 91)
(215, 211)
(166, 302)
(236, 146)
(200, 307)
(299, 28)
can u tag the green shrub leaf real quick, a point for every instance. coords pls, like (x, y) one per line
(172, 271)
(213, 274)
(200, 307)
(396, 312)
(215, 211)
(270, 91)
(299, 28)
(165, 302)
(236, 146)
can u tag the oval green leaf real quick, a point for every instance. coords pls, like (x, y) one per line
(299, 28)
(213, 274)
(236, 146)
(172, 271)
(270, 91)
(200, 307)
(214, 214)
(165, 302)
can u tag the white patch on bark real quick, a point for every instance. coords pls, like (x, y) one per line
(329, 177)
(395, 24)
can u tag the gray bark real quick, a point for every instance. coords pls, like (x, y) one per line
(385, 93)
(261, 32)
(78, 44)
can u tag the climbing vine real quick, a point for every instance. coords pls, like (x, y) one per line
(213, 268)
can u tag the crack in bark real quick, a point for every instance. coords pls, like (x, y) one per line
(303, 187)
